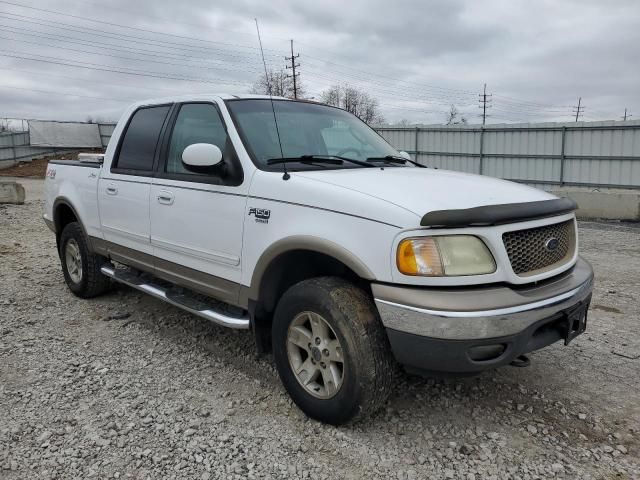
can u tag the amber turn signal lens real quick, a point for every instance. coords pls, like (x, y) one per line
(419, 256)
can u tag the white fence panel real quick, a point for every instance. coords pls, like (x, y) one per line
(585, 154)
(64, 134)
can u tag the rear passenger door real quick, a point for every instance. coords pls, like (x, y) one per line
(123, 192)
(197, 216)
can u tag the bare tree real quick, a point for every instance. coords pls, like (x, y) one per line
(281, 85)
(403, 122)
(454, 117)
(355, 101)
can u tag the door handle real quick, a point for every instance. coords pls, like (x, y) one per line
(111, 189)
(165, 197)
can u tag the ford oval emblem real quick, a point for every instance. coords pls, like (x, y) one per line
(552, 244)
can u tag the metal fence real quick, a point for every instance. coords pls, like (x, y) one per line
(585, 154)
(106, 130)
(16, 147)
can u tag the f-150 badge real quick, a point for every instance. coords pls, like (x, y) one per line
(262, 215)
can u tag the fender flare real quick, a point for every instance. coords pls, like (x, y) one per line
(302, 242)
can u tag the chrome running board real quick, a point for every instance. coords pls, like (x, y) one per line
(217, 312)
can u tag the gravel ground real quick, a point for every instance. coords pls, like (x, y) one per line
(124, 386)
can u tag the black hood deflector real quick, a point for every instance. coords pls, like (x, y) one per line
(498, 214)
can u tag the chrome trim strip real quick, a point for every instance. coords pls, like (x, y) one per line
(159, 293)
(487, 313)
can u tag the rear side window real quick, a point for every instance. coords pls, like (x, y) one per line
(138, 146)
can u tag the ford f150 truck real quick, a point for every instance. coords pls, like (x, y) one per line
(342, 255)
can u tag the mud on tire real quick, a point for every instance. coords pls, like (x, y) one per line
(367, 365)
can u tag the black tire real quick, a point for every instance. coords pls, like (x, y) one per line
(91, 282)
(368, 365)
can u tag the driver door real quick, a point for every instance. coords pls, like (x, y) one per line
(197, 216)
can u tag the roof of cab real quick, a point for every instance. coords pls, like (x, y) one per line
(202, 97)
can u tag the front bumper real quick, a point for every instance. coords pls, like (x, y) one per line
(475, 328)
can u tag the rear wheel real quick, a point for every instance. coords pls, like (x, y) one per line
(331, 351)
(80, 266)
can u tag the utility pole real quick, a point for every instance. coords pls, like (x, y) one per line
(579, 110)
(624, 118)
(293, 66)
(484, 103)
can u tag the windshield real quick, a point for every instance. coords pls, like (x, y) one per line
(305, 129)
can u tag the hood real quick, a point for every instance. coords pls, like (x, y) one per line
(423, 190)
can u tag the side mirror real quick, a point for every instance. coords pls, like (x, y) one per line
(201, 155)
(405, 155)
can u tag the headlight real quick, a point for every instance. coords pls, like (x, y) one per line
(439, 256)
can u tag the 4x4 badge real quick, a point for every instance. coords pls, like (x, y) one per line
(262, 215)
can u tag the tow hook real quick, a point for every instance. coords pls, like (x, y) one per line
(521, 361)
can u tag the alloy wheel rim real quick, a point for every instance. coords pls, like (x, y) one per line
(315, 355)
(73, 259)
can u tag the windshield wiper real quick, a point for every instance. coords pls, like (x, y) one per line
(326, 159)
(395, 159)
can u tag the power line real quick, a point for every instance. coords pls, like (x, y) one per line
(181, 46)
(429, 93)
(517, 106)
(111, 46)
(368, 73)
(370, 79)
(122, 57)
(103, 22)
(396, 92)
(107, 68)
(49, 92)
(293, 66)
(93, 81)
(118, 36)
(526, 102)
(173, 21)
(117, 56)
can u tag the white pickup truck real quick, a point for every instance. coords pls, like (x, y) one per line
(296, 220)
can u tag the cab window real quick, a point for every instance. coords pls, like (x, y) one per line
(195, 123)
(140, 140)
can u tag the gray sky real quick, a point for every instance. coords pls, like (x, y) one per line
(416, 57)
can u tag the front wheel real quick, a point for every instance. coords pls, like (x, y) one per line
(331, 351)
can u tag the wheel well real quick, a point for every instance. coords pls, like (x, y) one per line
(63, 215)
(294, 266)
(286, 270)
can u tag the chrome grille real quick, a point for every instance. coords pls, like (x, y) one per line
(528, 249)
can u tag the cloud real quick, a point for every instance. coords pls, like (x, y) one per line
(416, 57)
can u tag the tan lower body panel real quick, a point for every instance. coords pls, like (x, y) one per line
(210, 285)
